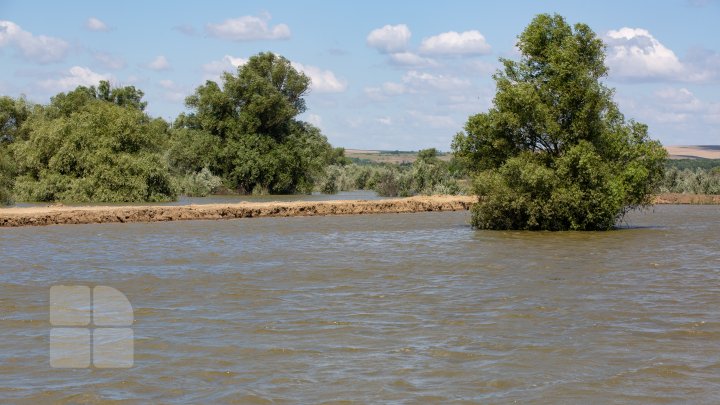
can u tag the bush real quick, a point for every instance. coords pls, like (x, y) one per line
(199, 184)
(7, 169)
(96, 151)
(697, 181)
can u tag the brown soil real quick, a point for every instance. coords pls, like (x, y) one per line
(56, 215)
(674, 198)
(53, 215)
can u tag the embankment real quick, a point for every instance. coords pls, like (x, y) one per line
(58, 215)
(55, 215)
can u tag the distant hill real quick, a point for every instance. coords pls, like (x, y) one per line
(694, 152)
(399, 156)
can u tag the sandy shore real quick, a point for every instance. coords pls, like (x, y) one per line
(57, 215)
(52, 215)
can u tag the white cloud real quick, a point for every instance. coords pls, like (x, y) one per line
(167, 84)
(109, 61)
(680, 99)
(429, 81)
(159, 63)
(173, 92)
(433, 120)
(387, 89)
(410, 59)
(315, 120)
(214, 70)
(633, 53)
(248, 28)
(385, 120)
(95, 24)
(74, 77)
(418, 82)
(454, 43)
(36, 48)
(323, 81)
(390, 38)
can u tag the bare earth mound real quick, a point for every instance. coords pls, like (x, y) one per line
(11, 217)
(99, 214)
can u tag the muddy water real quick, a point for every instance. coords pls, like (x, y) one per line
(404, 308)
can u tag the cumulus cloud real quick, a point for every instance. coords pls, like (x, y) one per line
(414, 82)
(159, 63)
(409, 59)
(248, 28)
(455, 43)
(429, 81)
(675, 114)
(95, 24)
(35, 48)
(74, 77)
(109, 61)
(633, 53)
(213, 70)
(323, 81)
(390, 38)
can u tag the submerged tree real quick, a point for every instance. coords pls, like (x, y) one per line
(246, 130)
(554, 152)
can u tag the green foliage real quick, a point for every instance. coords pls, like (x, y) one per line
(689, 181)
(428, 175)
(246, 131)
(199, 184)
(7, 176)
(13, 113)
(554, 152)
(64, 104)
(692, 163)
(85, 148)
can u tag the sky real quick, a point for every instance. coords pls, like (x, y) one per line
(385, 74)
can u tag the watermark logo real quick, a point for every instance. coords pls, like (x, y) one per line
(90, 326)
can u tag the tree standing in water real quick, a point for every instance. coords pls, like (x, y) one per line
(554, 152)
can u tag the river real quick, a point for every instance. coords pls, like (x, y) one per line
(392, 308)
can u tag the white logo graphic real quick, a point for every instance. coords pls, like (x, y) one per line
(86, 326)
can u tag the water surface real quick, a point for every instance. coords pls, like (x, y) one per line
(397, 308)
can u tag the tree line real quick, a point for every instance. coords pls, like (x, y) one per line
(97, 143)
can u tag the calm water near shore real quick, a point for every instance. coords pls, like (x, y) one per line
(399, 308)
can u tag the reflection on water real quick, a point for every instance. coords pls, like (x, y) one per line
(378, 308)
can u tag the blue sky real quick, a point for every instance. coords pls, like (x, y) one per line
(386, 74)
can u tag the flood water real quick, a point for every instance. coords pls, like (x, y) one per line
(400, 308)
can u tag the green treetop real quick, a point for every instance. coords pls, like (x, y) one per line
(554, 152)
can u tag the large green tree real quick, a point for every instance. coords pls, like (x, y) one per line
(247, 132)
(554, 152)
(13, 113)
(93, 144)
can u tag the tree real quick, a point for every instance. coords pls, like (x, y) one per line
(88, 146)
(248, 132)
(554, 152)
(13, 114)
